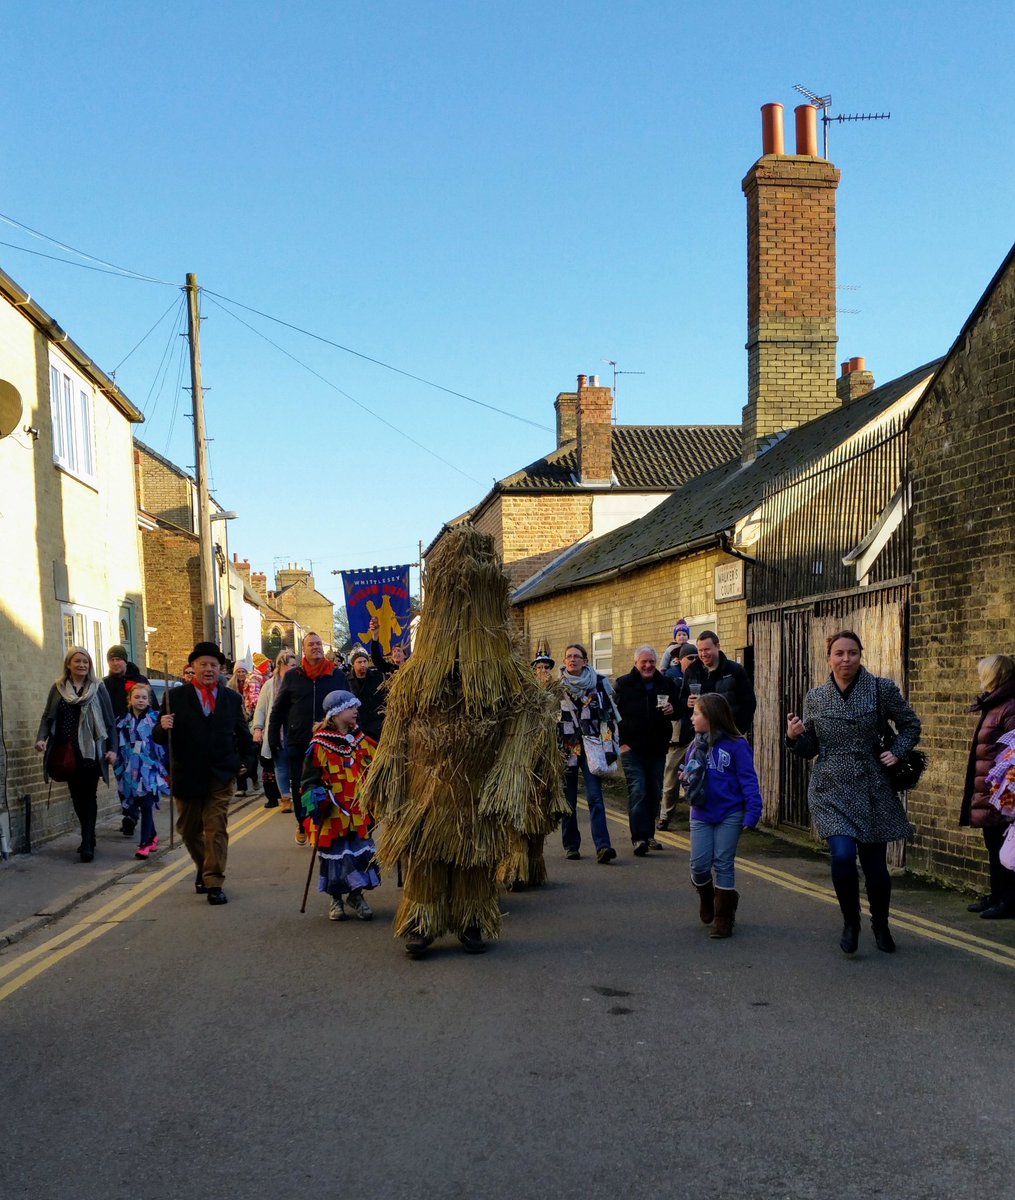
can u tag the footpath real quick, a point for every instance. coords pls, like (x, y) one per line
(38, 888)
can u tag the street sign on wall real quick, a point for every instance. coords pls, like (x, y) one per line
(729, 581)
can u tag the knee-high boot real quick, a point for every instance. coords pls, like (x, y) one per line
(706, 900)
(847, 892)
(879, 897)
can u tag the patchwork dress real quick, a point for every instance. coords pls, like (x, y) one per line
(140, 771)
(333, 773)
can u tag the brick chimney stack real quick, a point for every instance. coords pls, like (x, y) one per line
(595, 432)
(791, 335)
(854, 382)
(259, 582)
(566, 408)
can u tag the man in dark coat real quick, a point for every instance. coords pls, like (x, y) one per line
(123, 674)
(298, 704)
(647, 701)
(209, 742)
(714, 672)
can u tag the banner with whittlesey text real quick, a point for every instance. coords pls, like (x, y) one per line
(381, 592)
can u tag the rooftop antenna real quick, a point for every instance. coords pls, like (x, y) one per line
(616, 371)
(825, 103)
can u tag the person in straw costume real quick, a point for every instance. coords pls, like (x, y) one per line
(469, 750)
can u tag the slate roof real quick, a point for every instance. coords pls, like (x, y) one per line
(713, 503)
(646, 458)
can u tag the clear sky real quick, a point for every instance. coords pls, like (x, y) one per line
(493, 196)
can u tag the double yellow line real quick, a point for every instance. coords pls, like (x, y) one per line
(934, 931)
(25, 967)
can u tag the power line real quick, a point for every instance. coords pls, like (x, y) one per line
(163, 367)
(317, 337)
(146, 336)
(336, 388)
(83, 254)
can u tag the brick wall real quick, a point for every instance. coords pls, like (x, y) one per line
(535, 529)
(638, 609)
(791, 340)
(962, 463)
(163, 491)
(172, 574)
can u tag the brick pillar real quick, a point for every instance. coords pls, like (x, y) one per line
(854, 382)
(595, 432)
(791, 335)
(566, 408)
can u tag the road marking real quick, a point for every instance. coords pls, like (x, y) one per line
(923, 927)
(28, 966)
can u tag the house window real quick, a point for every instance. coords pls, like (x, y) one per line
(85, 627)
(602, 653)
(72, 405)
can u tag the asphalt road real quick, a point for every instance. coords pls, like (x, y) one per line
(154, 1046)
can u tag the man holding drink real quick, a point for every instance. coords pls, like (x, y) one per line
(714, 672)
(646, 701)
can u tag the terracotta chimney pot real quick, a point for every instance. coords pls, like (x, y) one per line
(772, 138)
(807, 130)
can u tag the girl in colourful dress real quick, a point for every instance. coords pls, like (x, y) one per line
(140, 767)
(336, 764)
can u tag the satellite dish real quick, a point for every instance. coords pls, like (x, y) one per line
(10, 408)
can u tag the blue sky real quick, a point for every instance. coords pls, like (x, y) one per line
(495, 197)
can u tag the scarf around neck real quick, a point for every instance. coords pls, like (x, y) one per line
(315, 670)
(91, 726)
(579, 685)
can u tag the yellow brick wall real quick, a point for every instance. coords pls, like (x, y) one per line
(638, 609)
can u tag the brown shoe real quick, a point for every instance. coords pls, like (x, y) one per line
(286, 804)
(706, 901)
(725, 910)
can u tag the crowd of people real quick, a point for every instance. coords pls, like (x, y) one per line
(310, 726)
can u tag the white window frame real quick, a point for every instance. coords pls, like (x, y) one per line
(602, 652)
(88, 627)
(72, 406)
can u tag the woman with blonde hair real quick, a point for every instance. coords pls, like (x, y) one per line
(996, 706)
(76, 739)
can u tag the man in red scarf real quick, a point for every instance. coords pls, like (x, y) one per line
(209, 743)
(298, 704)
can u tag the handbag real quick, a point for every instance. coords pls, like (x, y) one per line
(1007, 855)
(62, 762)
(595, 757)
(905, 774)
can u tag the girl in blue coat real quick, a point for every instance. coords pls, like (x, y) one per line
(722, 789)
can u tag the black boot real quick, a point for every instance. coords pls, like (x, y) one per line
(472, 940)
(847, 892)
(880, 898)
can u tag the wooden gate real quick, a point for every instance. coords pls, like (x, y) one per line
(796, 682)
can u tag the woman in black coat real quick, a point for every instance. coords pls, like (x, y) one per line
(996, 706)
(77, 739)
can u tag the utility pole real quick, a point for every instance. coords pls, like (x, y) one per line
(207, 548)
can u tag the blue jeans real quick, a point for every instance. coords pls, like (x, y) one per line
(714, 848)
(569, 833)
(644, 774)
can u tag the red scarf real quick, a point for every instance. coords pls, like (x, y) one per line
(208, 696)
(316, 670)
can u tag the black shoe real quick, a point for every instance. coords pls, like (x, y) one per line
(606, 855)
(417, 944)
(883, 939)
(998, 911)
(270, 804)
(217, 896)
(981, 905)
(199, 885)
(472, 941)
(127, 827)
(573, 854)
(640, 849)
(850, 939)
(86, 855)
(654, 845)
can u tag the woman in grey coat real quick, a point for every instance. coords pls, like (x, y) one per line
(853, 804)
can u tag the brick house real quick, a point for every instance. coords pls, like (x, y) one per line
(68, 541)
(296, 597)
(961, 457)
(599, 476)
(167, 516)
(691, 555)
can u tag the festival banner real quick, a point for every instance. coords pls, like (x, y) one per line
(381, 592)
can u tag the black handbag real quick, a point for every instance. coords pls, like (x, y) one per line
(905, 774)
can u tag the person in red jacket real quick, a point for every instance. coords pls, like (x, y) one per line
(996, 706)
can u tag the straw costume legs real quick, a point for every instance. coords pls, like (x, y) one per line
(439, 898)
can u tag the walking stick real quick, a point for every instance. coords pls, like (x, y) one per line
(169, 758)
(310, 873)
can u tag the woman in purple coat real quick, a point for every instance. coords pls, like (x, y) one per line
(996, 706)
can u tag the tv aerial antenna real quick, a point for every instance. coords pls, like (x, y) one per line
(824, 103)
(617, 371)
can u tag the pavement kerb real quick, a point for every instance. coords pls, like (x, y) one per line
(97, 884)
